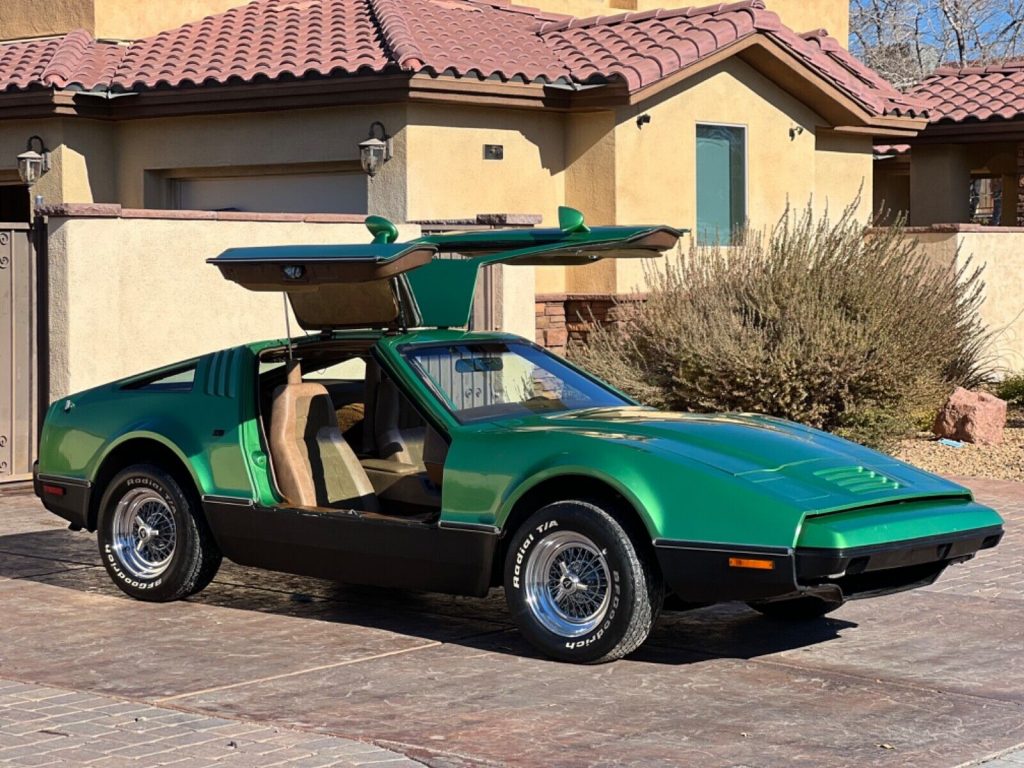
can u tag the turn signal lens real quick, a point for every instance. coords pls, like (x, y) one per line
(53, 490)
(746, 562)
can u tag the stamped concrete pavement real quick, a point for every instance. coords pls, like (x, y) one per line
(933, 677)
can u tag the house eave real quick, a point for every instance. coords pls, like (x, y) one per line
(972, 132)
(295, 94)
(886, 127)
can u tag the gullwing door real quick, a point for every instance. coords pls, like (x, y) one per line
(334, 286)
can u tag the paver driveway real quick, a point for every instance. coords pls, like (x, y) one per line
(933, 677)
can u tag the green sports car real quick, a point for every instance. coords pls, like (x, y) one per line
(387, 447)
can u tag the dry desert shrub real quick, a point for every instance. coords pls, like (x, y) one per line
(819, 320)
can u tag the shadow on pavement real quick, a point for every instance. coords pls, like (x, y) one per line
(71, 561)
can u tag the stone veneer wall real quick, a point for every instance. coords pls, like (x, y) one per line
(564, 319)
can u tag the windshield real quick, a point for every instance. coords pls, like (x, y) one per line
(488, 380)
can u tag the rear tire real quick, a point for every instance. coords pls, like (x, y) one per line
(577, 586)
(805, 608)
(152, 537)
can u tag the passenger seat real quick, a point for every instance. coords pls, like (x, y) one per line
(313, 464)
(394, 443)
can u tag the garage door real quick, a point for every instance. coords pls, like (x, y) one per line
(294, 193)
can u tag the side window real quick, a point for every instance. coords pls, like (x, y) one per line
(353, 369)
(179, 380)
(721, 182)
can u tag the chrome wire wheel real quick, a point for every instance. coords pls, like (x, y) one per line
(144, 533)
(567, 584)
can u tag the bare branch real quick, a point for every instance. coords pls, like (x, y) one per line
(905, 40)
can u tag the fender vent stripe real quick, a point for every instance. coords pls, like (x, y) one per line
(222, 374)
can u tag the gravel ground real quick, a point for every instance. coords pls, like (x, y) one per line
(1000, 462)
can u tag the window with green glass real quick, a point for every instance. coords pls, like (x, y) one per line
(721, 182)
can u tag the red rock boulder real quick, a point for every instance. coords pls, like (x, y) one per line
(972, 417)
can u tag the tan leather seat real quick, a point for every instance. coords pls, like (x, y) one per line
(393, 442)
(313, 464)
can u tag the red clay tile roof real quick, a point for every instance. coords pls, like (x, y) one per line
(271, 39)
(461, 37)
(643, 48)
(974, 93)
(265, 39)
(74, 59)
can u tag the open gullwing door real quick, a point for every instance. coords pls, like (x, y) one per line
(445, 287)
(429, 282)
(336, 286)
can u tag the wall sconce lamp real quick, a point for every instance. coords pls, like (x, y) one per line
(376, 150)
(34, 161)
(795, 131)
(642, 120)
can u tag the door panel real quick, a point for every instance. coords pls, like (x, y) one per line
(354, 547)
(18, 365)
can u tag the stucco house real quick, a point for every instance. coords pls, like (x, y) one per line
(958, 183)
(247, 124)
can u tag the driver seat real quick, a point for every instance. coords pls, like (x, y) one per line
(313, 464)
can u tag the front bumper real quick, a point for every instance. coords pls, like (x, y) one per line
(700, 572)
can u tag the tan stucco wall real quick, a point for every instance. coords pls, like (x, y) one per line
(31, 18)
(128, 295)
(290, 140)
(807, 15)
(448, 176)
(118, 19)
(843, 173)
(81, 159)
(1001, 253)
(131, 19)
(590, 186)
(518, 294)
(655, 166)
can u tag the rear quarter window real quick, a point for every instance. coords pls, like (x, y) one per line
(178, 380)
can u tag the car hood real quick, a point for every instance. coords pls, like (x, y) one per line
(819, 470)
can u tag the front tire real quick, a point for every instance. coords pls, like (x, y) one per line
(152, 537)
(577, 587)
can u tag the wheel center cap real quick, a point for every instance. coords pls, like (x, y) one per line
(570, 582)
(147, 534)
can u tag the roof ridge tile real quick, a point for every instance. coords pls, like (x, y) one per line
(397, 33)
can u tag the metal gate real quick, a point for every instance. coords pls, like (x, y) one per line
(19, 387)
